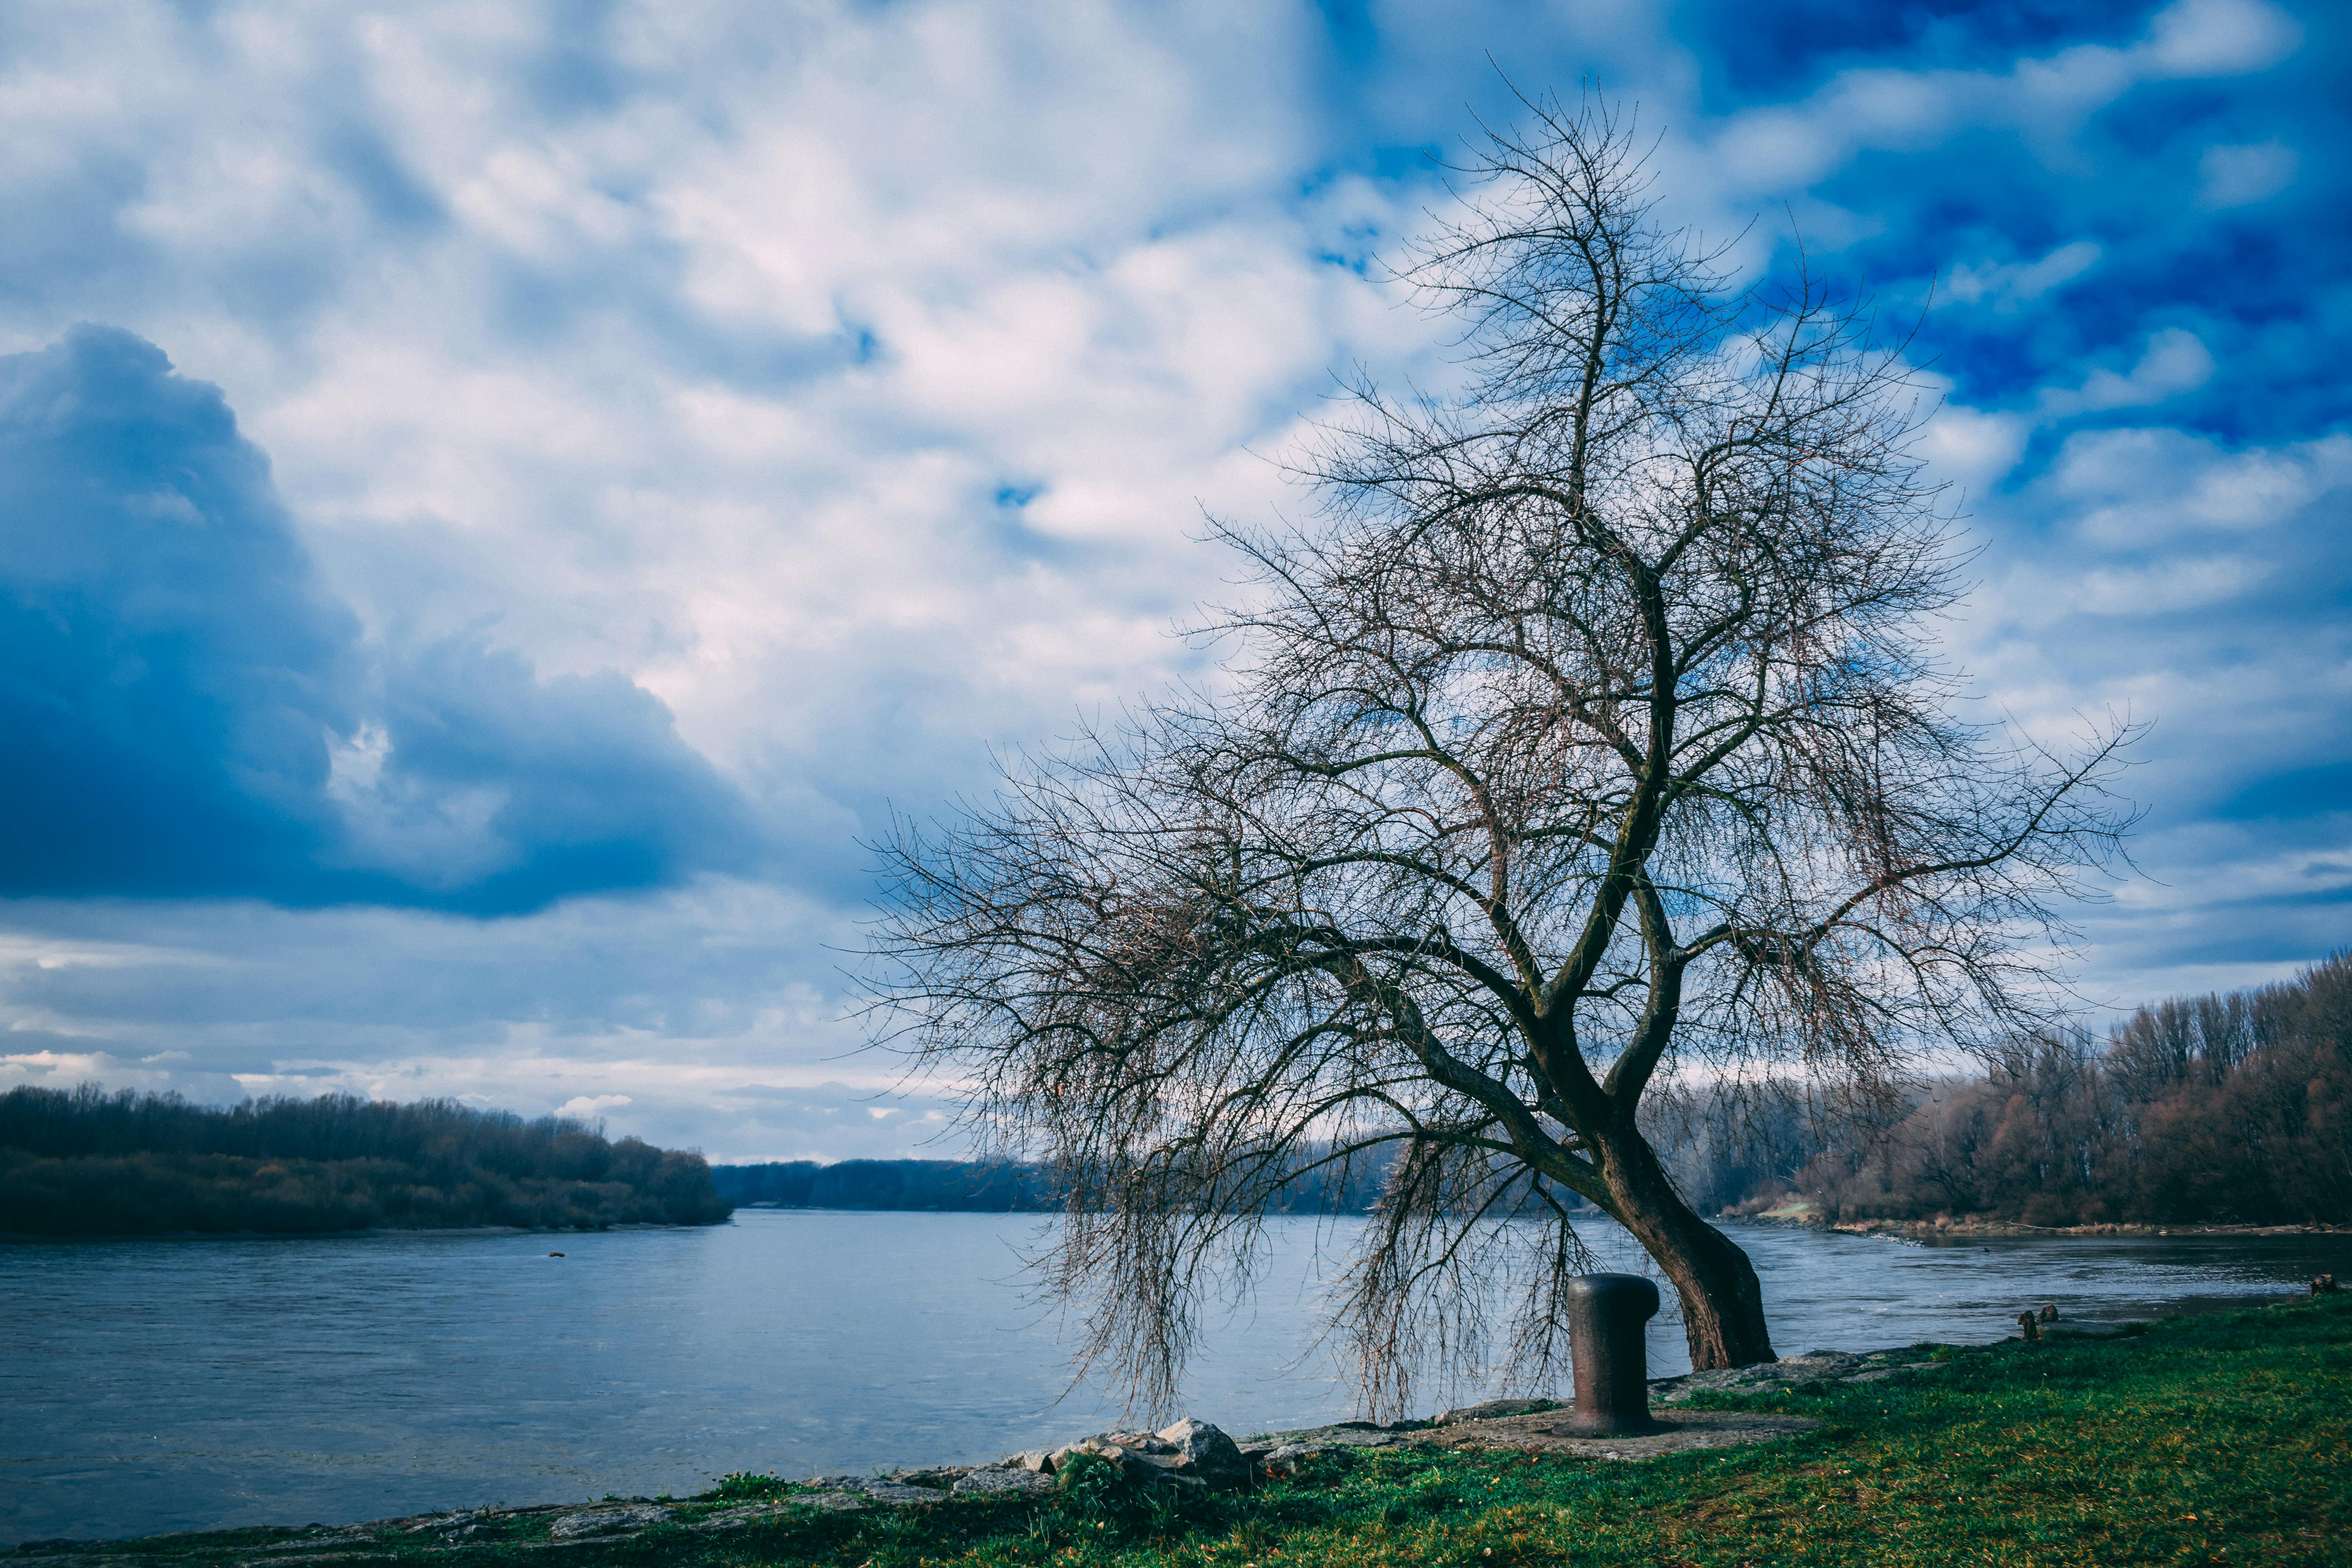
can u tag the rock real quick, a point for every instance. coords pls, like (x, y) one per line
(1205, 1457)
(751, 1513)
(1139, 1457)
(874, 1489)
(624, 1521)
(1058, 1460)
(1038, 1459)
(1004, 1480)
(1205, 1453)
(1911, 1368)
(1345, 1434)
(940, 1478)
(1495, 1410)
(444, 1522)
(1287, 1460)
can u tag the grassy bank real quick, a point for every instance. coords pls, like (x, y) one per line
(2212, 1439)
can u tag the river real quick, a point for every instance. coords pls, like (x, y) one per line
(156, 1385)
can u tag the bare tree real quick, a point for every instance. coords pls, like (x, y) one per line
(1589, 738)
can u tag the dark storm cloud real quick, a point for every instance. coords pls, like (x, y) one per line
(192, 714)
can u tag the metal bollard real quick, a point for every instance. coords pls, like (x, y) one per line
(1605, 1314)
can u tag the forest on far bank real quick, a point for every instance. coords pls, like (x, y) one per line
(87, 1162)
(2217, 1110)
(2231, 1109)
(967, 1186)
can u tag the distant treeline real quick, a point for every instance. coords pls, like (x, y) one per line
(91, 1163)
(2209, 1109)
(955, 1187)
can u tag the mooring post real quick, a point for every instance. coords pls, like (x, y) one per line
(1606, 1316)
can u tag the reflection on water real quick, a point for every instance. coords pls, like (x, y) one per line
(148, 1385)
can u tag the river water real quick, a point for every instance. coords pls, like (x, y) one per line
(185, 1384)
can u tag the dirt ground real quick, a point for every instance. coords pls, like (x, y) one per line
(1685, 1430)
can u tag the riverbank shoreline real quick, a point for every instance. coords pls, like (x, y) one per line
(2210, 1439)
(1927, 1230)
(1809, 1217)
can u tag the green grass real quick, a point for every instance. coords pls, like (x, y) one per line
(2207, 1440)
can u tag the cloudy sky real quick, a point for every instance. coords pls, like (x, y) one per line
(499, 497)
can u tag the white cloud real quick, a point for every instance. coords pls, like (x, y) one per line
(714, 1016)
(2046, 99)
(1971, 447)
(2183, 584)
(1103, 295)
(2175, 361)
(2220, 37)
(2141, 487)
(2240, 176)
(2015, 284)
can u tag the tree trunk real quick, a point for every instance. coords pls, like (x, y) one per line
(1723, 1305)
